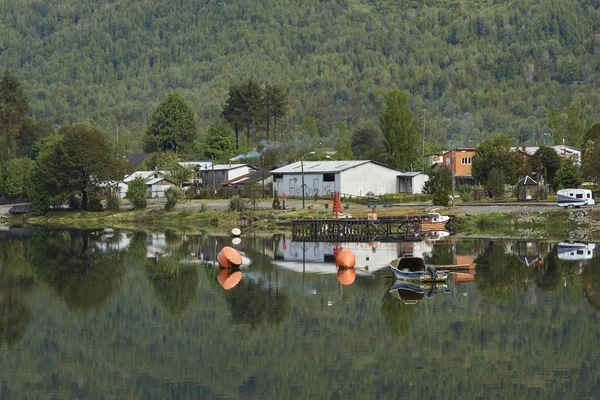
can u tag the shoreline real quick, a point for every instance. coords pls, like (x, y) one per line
(543, 220)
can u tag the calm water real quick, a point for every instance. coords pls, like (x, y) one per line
(146, 315)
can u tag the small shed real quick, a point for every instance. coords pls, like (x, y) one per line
(156, 187)
(527, 188)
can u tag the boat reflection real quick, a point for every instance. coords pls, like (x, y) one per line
(413, 292)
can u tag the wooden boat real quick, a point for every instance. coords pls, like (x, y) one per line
(412, 268)
(411, 293)
(434, 222)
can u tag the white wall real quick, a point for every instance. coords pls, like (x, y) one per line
(418, 182)
(369, 177)
(291, 184)
(234, 173)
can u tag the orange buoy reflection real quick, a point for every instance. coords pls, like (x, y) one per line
(229, 277)
(346, 276)
(229, 257)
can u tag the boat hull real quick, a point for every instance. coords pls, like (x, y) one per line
(419, 276)
(432, 226)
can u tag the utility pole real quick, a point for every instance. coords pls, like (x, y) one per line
(214, 185)
(423, 162)
(453, 174)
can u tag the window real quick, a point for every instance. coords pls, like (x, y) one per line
(579, 196)
(328, 177)
(466, 161)
(448, 161)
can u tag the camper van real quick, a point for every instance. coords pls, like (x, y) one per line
(574, 198)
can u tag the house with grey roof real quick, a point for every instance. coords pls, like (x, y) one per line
(213, 176)
(349, 177)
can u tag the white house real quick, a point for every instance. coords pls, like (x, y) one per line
(412, 182)
(562, 150)
(350, 178)
(145, 175)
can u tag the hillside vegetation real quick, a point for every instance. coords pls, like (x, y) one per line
(471, 67)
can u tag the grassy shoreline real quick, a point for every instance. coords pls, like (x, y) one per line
(569, 224)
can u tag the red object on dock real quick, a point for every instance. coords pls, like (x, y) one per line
(337, 205)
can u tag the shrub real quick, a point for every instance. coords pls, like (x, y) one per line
(465, 196)
(238, 204)
(94, 203)
(172, 194)
(113, 201)
(136, 193)
(276, 203)
(204, 193)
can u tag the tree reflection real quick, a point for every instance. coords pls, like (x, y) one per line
(251, 304)
(440, 254)
(14, 317)
(590, 280)
(498, 273)
(397, 314)
(548, 276)
(83, 277)
(175, 284)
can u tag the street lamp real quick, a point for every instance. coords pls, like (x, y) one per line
(551, 135)
(302, 169)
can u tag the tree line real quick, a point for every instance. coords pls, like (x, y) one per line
(472, 68)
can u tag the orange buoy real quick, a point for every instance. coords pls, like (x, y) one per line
(345, 259)
(346, 276)
(229, 257)
(228, 278)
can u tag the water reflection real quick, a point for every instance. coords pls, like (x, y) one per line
(151, 308)
(81, 276)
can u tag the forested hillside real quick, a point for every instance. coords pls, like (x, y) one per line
(471, 67)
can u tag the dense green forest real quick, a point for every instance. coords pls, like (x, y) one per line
(471, 67)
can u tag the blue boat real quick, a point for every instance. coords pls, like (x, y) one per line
(411, 268)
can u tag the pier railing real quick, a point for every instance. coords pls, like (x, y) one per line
(357, 230)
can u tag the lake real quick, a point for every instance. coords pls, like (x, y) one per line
(121, 314)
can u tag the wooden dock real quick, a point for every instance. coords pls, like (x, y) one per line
(357, 230)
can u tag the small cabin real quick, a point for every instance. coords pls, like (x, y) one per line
(527, 189)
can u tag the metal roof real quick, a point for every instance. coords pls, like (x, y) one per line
(320, 166)
(227, 167)
(411, 173)
(156, 180)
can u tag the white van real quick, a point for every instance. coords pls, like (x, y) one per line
(574, 198)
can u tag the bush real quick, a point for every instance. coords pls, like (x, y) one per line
(238, 204)
(94, 203)
(136, 193)
(172, 194)
(113, 201)
(276, 204)
(204, 193)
